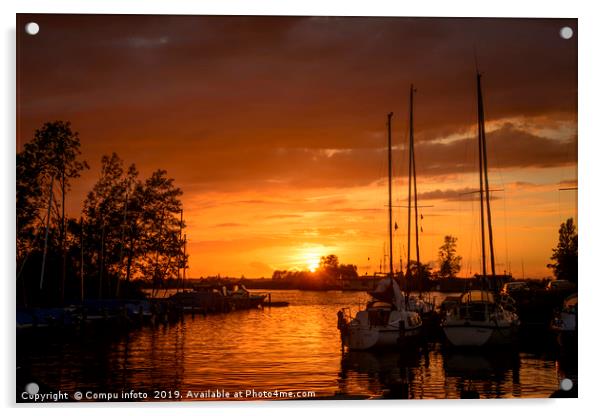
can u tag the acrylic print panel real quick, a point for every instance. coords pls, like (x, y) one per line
(286, 208)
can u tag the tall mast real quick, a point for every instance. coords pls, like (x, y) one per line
(389, 116)
(481, 191)
(486, 175)
(412, 193)
(410, 165)
(63, 233)
(413, 163)
(484, 183)
(184, 270)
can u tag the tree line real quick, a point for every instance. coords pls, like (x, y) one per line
(564, 265)
(130, 229)
(329, 272)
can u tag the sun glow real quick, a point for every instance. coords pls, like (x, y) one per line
(312, 259)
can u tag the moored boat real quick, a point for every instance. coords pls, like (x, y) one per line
(384, 322)
(481, 317)
(478, 319)
(564, 324)
(217, 299)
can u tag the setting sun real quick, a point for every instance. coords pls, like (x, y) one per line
(313, 261)
(304, 207)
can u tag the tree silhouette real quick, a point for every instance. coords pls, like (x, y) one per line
(109, 209)
(449, 262)
(565, 255)
(329, 263)
(160, 208)
(420, 269)
(132, 228)
(348, 271)
(128, 228)
(45, 168)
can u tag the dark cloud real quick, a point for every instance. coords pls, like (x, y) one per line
(568, 183)
(235, 101)
(523, 185)
(462, 194)
(447, 194)
(229, 224)
(508, 147)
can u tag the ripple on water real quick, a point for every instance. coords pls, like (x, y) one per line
(292, 348)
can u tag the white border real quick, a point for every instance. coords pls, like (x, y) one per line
(590, 68)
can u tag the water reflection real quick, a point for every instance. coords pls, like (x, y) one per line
(384, 374)
(294, 348)
(490, 374)
(430, 372)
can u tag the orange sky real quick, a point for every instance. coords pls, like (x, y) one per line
(274, 128)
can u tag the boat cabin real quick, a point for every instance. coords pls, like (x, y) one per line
(476, 305)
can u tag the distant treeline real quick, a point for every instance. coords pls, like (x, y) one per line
(329, 272)
(456, 284)
(130, 228)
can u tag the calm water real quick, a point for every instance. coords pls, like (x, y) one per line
(296, 348)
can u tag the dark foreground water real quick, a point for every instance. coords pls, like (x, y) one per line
(295, 349)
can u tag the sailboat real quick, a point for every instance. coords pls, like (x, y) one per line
(480, 318)
(385, 322)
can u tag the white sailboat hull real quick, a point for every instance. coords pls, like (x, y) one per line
(382, 324)
(479, 335)
(360, 339)
(467, 336)
(479, 321)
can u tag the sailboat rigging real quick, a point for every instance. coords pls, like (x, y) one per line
(480, 318)
(413, 303)
(412, 182)
(385, 322)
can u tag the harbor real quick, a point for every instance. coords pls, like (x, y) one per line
(168, 306)
(328, 221)
(239, 350)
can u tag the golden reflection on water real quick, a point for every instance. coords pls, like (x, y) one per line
(296, 348)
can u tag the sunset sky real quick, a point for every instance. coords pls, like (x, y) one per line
(275, 128)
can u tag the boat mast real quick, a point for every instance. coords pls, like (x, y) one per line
(180, 262)
(483, 254)
(410, 149)
(389, 116)
(484, 183)
(486, 175)
(413, 162)
(412, 194)
(184, 269)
